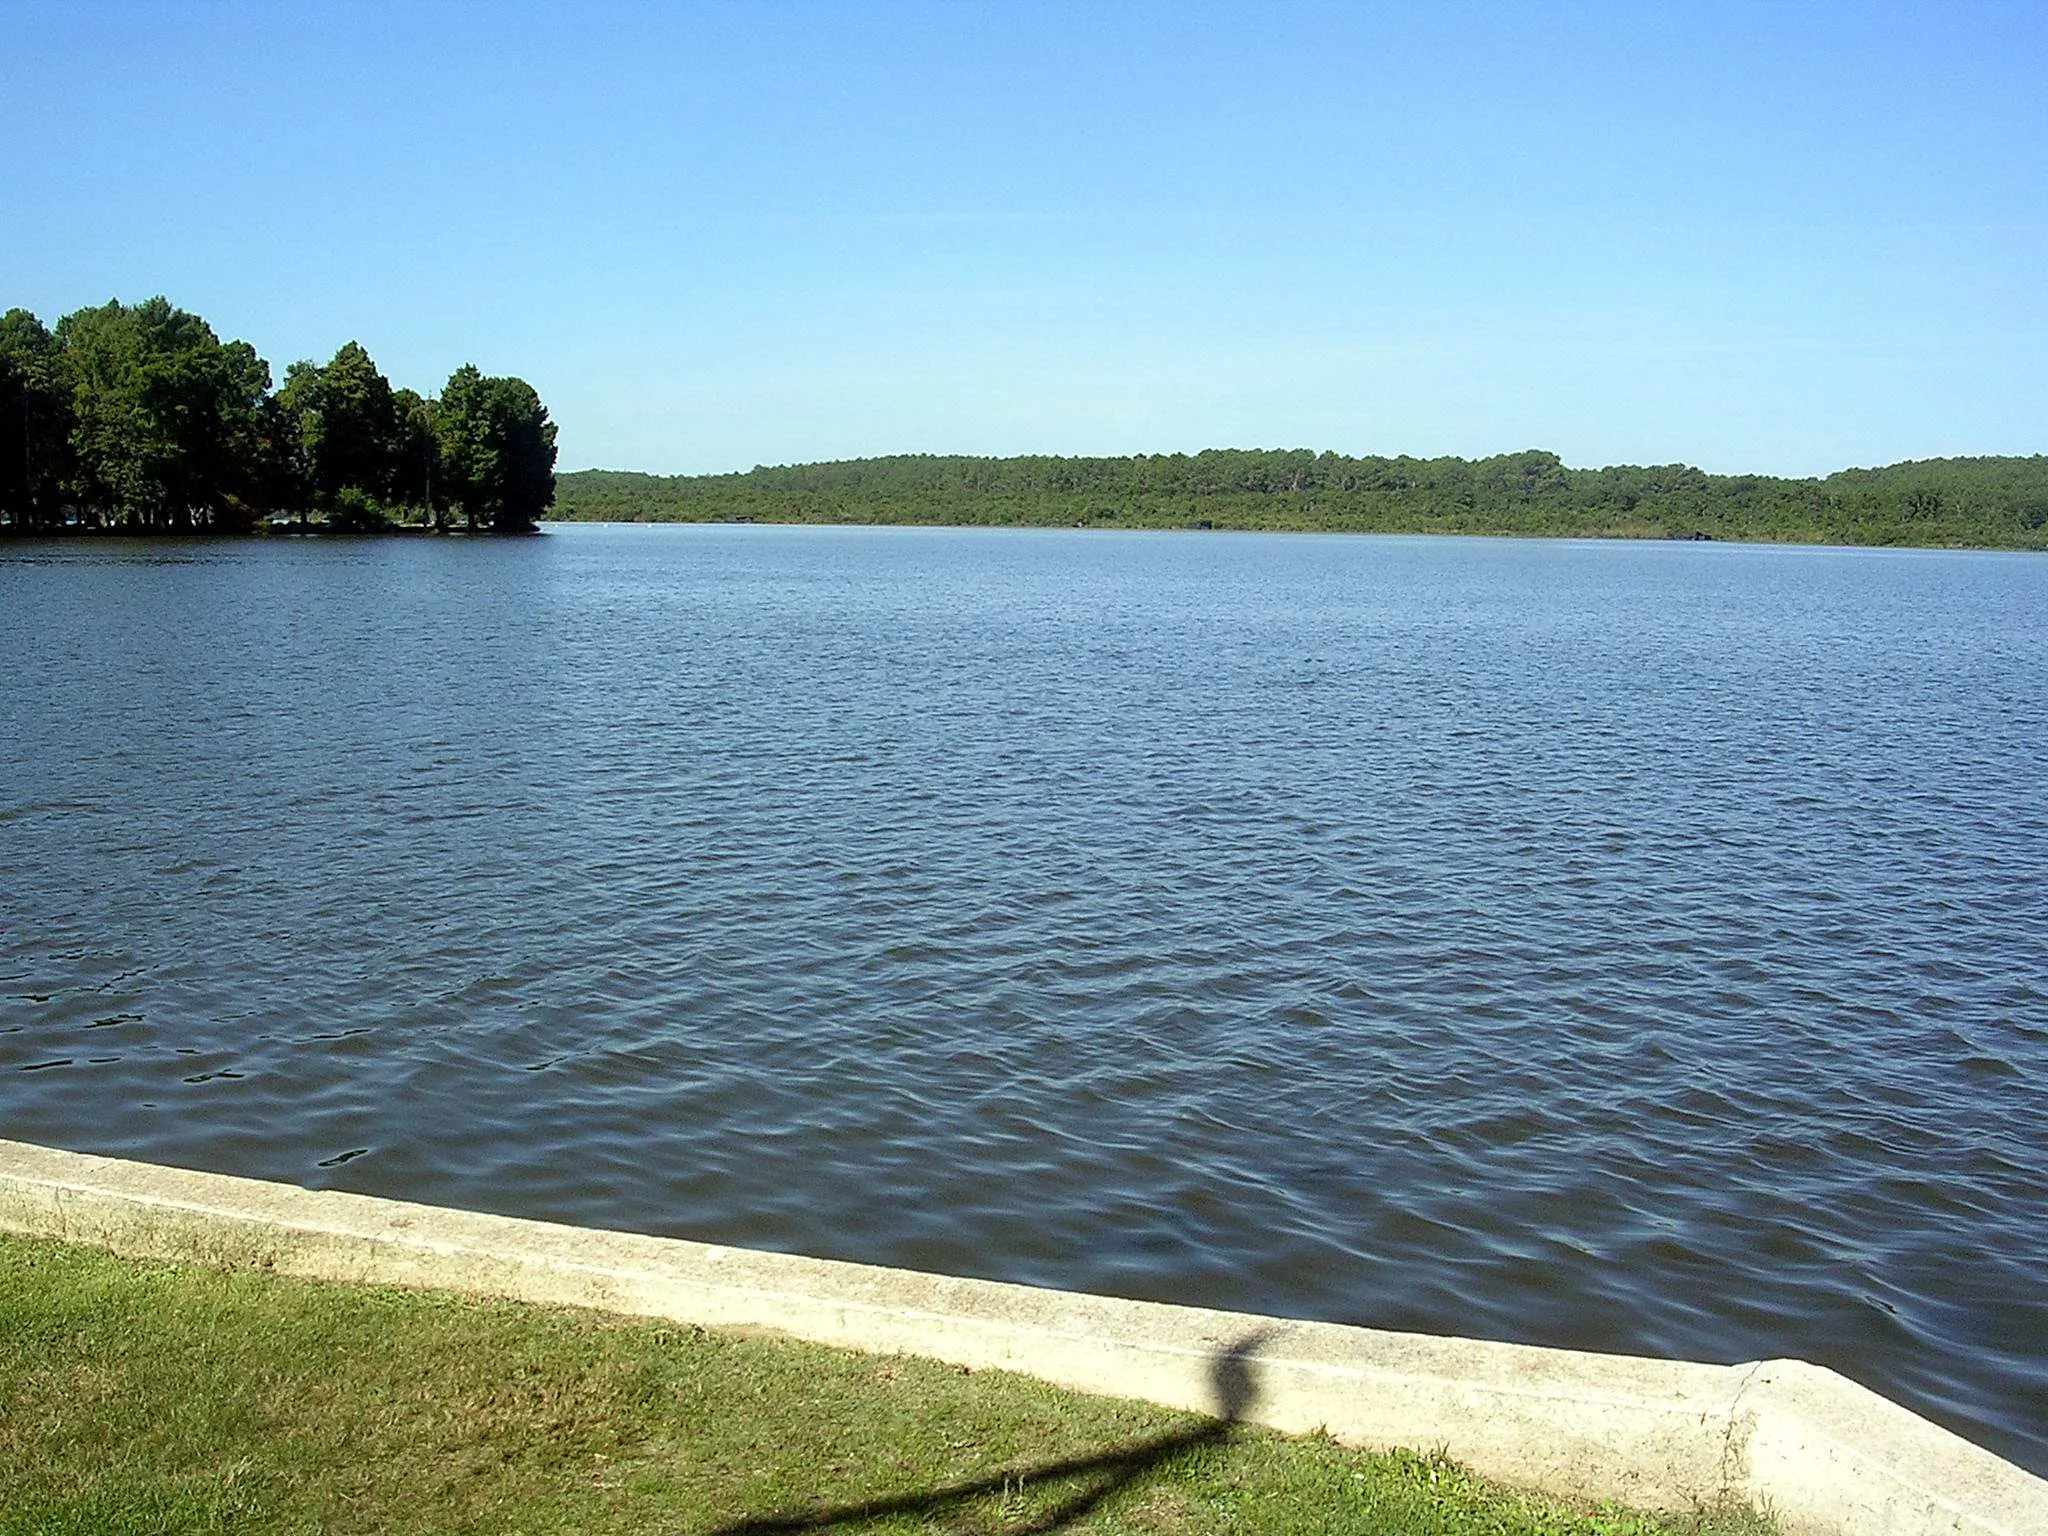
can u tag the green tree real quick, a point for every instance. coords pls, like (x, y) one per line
(419, 452)
(35, 425)
(497, 451)
(359, 434)
(295, 413)
(347, 436)
(281, 481)
(226, 446)
(167, 420)
(526, 463)
(469, 462)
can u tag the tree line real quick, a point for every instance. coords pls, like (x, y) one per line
(1979, 502)
(138, 418)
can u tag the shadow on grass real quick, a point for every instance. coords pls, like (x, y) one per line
(1102, 1476)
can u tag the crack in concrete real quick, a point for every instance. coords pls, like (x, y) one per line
(1735, 1440)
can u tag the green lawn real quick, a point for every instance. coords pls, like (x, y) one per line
(139, 1397)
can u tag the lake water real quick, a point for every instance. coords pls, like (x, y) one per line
(1632, 947)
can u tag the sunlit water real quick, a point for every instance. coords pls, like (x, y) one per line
(1624, 946)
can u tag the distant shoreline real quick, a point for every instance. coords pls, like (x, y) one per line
(1175, 528)
(1974, 503)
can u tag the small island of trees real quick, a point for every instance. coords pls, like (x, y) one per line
(139, 419)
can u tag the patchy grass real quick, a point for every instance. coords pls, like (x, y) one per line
(161, 1399)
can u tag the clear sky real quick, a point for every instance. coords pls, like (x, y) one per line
(1783, 238)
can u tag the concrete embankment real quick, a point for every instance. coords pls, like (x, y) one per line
(1822, 1453)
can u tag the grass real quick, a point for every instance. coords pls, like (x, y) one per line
(150, 1398)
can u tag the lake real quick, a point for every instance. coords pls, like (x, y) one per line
(1622, 946)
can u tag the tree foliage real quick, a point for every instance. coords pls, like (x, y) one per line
(35, 424)
(343, 424)
(1985, 502)
(497, 451)
(166, 419)
(139, 419)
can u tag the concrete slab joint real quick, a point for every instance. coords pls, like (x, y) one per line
(1821, 1453)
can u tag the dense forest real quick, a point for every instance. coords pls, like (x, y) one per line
(139, 419)
(1997, 503)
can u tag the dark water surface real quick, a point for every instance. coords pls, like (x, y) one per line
(1623, 946)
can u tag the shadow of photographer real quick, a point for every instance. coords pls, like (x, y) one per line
(1102, 1476)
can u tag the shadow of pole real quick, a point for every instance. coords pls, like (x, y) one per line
(1107, 1473)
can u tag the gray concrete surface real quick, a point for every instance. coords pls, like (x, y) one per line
(1823, 1454)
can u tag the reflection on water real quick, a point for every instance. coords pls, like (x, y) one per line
(1628, 947)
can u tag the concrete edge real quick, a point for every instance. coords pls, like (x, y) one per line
(1818, 1451)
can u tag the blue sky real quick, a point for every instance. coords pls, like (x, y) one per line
(1782, 238)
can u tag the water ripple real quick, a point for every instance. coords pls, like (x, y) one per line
(1612, 946)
